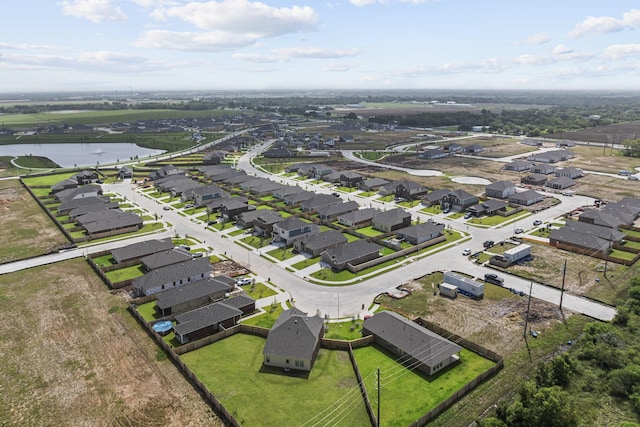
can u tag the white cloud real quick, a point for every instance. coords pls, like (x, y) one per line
(227, 24)
(607, 24)
(316, 52)
(562, 50)
(93, 10)
(527, 59)
(618, 51)
(258, 57)
(361, 3)
(88, 61)
(536, 39)
(25, 46)
(339, 66)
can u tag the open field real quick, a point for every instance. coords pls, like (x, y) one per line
(264, 396)
(616, 134)
(26, 230)
(72, 355)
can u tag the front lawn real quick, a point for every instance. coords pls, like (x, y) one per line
(306, 263)
(282, 253)
(259, 395)
(266, 319)
(256, 241)
(408, 394)
(258, 291)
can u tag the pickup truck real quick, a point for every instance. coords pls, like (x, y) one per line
(494, 279)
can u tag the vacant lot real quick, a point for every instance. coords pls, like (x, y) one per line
(616, 134)
(263, 396)
(26, 230)
(72, 355)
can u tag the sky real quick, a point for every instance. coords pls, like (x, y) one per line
(142, 45)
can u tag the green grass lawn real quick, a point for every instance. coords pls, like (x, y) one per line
(258, 291)
(148, 311)
(266, 319)
(622, 254)
(409, 203)
(632, 245)
(258, 395)
(406, 395)
(350, 237)
(306, 263)
(41, 192)
(104, 260)
(631, 233)
(284, 214)
(281, 254)
(367, 193)
(237, 232)
(122, 274)
(388, 198)
(223, 226)
(344, 330)
(49, 180)
(370, 231)
(256, 241)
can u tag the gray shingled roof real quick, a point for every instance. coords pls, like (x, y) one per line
(337, 208)
(190, 291)
(568, 236)
(239, 301)
(121, 221)
(359, 215)
(141, 249)
(322, 240)
(391, 217)
(168, 257)
(70, 193)
(411, 338)
(291, 223)
(294, 334)
(82, 210)
(420, 230)
(353, 250)
(69, 205)
(500, 185)
(202, 317)
(172, 273)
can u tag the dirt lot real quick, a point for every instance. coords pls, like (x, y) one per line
(26, 229)
(72, 355)
(605, 134)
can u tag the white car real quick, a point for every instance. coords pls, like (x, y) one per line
(244, 281)
(466, 252)
(537, 222)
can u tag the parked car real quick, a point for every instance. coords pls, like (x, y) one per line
(466, 252)
(633, 178)
(446, 210)
(244, 281)
(335, 194)
(537, 222)
(197, 255)
(165, 208)
(468, 215)
(518, 231)
(488, 243)
(494, 279)
(190, 205)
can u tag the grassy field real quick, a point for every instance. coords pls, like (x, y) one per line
(267, 319)
(73, 355)
(258, 396)
(259, 290)
(407, 394)
(26, 230)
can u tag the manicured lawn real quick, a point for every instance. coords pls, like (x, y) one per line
(631, 233)
(409, 203)
(344, 330)
(306, 263)
(223, 226)
(258, 395)
(104, 260)
(407, 394)
(496, 219)
(434, 210)
(282, 254)
(284, 214)
(256, 241)
(237, 232)
(350, 237)
(258, 291)
(122, 274)
(367, 193)
(48, 180)
(263, 207)
(148, 311)
(388, 198)
(630, 244)
(369, 231)
(495, 292)
(622, 254)
(41, 192)
(267, 319)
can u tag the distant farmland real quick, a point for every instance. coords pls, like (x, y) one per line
(615, 134)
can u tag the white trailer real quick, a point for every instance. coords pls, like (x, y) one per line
(466, 285)
(516, 254)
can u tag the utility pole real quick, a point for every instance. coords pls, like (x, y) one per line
(526, 320)
(606, 260)
(564, 273)
(378, 397)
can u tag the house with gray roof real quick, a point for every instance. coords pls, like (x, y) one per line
(264, 222)
(318, 200)
(526, 198)
(139, 250)
(242, 302)
(86, 177)
(205, 321)
(352, 253)
(238, 178)
(500, 189)
(94, 207)
(65, 208)
(332, 211)
(560, 183)
(204, 194)
(90, 190)
(432, 154)
(410, 190)
(286, 190)
(372, 184)
(184, 186)
(191, 296)
(534, 179)
(109, 222)
(391, 220)
(294, 341)
(172, 276)
(296, 199)
(171, 182)
(585, 238)
(488, 207)
(358, 218)
(65, 184)
(266, 189)
(543, 169)
(214, 158)
(458, 200)
(420, 233)
(165, 171)
(317, 243)
(164, 258)
(350, 179)
(319, 170)
(434, 197)
(232, 207)
(416, 346)
(518, 165)
(570, 172)
(292, 229)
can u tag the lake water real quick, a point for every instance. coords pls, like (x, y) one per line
(70, 155)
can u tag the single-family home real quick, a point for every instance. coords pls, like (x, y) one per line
(526, 198)
(458, 201)
(192, 295)
(358, 218)
(560, 183)
(65, 184)
(317, 243)
(420, 233)
(415, 345)
(232, 207)
(292, 229)
(454, 147)
(432, 154)
(86, 177)
(205, 321)
(350, 179)
(332, 211)
(317, 201)
(372, 184)
(391, 220)
(534, 179)
(125, 172)
(569, 172)
(473, 149)
(434, 197)
(488, 207)
(204, 194)
(320, 170)
(98, 203)
(410, 190)
(166, 171)
(214, 158)
(117, 222)
(352, 253)
(172, 276)
(164, 258)
(264, 222)
(139, 250)
(500, 189)
(518, 165)
(286, 190)
(294, 341)
(90, 190)
(295, 199)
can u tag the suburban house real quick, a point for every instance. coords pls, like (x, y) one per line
(86, 177)
(205, 321)
(560, 183)
(255, 182)
(473, 149)
(79, 193)
(358, 218)
(488, 207)
(265, 189)
(173, 181)
(318, 200)
(292, 229)
(139, 250)
(164, 258)
(165, 171)
(332, 177)
(454, 147)
(186, 185)
(410, 190)
(319, 170)
(435, 197)
(585, 238)
(518, 166)
(551, 156)
(543, 169)
(242, 302)
(125, 172)
(432, 154)
(420, 233)
(532, 142)
(458, 201)
(372, 184)
(93, 207)
(296, 199)
(534, 179)
(193, 295)
(500, 189)
(569, 172)
(317, 243)
(415, 345)
(333, 211)
(294, 341)
(265, 220)
(391, 220)
(526, 198)
(109, 222)
(623, 212)
(278, 152)
(203, 195)
(98, 203)
(232, 207)
(352, 253)
(238, 178)
(214, 158)
(285, 191)
(65, 184)
(350, 179)
(172, 276)
(294, 167)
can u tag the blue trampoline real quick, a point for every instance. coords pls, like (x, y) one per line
(163, 327)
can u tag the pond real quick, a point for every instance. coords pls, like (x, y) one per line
(84, 154)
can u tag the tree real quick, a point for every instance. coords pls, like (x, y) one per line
(632, 148)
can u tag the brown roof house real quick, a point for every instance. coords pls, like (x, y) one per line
(417, 347)
(294, 341)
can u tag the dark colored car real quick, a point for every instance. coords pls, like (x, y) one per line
(494, 279)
